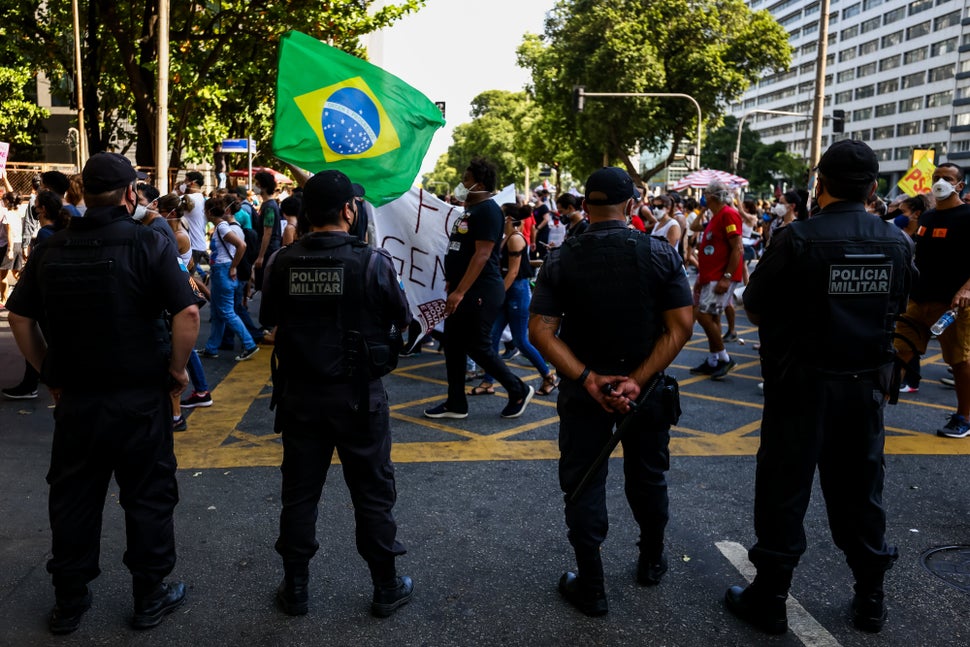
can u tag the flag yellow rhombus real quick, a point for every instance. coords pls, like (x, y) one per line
(348, 120)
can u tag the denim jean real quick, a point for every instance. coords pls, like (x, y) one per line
(515, 313)
(196, 373)
(255, 331)
(223, 291)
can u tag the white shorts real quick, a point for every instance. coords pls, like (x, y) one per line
(710, 303)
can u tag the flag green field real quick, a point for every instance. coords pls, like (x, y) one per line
(336, 111)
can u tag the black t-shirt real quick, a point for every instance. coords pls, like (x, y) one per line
(482, 221)
(942, 239)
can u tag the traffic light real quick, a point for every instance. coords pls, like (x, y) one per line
(838, 121)
(579, 100)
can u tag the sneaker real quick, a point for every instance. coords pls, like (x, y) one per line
(905, 388)
(517, 408)
(179, 424)
(703, 369)
(197, 399)
(208, 354)
(723, 368)
(956, 427)
(731, 336)
(511, 353)
(19, 392)
(945, 381)
(414, 353)
(442, 411)
(247, 353)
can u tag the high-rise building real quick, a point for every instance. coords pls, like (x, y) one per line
(899, 69)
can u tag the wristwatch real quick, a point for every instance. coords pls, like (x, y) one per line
(728, 275)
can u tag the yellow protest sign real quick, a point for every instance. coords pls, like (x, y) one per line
(918, 179)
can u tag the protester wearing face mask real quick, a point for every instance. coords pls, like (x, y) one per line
(942, 238)
(666, 227)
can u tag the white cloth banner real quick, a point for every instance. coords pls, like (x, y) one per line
(415, 230)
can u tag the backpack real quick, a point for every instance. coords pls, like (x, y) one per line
(245, 268)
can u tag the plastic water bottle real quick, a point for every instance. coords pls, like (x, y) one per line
(943, 322)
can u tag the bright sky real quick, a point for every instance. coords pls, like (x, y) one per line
(452, 50)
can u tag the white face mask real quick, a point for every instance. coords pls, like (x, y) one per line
(140, 212)
(460, 192)
(659, 212)
(780, 210)
(943, 189)
(183, 187)
(257, 191)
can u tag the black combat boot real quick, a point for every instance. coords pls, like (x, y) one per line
(151, 609)
(390, 591)
(292, 595)
(868, 610)
(762, 603)
(69, 608)
(586, 590)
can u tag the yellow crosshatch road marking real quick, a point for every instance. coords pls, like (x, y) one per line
(237, 430)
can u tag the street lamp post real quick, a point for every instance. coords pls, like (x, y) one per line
(737, 147)
(581, 94)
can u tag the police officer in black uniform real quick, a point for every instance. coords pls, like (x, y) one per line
(587, 294)
(825, 296)
(339, 308)
(91, 294)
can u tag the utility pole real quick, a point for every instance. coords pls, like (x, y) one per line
(818, 109)
(82, 139)
(161, 136)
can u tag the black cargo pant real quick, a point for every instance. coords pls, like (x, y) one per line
(836, 424)
(584, 428)
(127, 433)
(469, 332)
(314, 422)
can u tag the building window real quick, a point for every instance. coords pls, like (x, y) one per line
(944, 47)
(850, 32)
(847, 54)
(936, 125)
(863, 134)
(908, 128)
(949, 20)
(810, 28)
(852, 10)
(919, 5)
(942, 73)
(889, 63)
(886, 87)
(869, 47)
(869, 4)
(843, 97)
(914, 55)
(893, 15)
(868, 25)
(937, 99)
(913, 80)
(886, 109)
(790, 19)
(885, 132)
(963, 119)
(862, 114)
(883, 154)
(917, 31)
(846, 75)
(909, 105)
(807, 68)
(812, 8)
(865, 92)
(891, 40)
(865, 70)
(903, 152)
(807, 86)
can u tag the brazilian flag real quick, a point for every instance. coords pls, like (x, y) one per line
(336, 111)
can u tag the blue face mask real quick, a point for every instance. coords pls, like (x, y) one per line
(703, 200)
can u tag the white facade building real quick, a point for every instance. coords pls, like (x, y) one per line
(900, 69)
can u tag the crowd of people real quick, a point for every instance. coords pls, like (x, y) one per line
(142, 264)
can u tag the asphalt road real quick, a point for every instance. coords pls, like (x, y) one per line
(481, 514)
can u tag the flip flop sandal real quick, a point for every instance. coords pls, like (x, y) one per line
(482, 390)
(549, 384)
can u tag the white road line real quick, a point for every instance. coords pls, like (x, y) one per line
(800, 622)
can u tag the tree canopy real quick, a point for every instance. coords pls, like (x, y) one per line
(223, 62)
(709, 49)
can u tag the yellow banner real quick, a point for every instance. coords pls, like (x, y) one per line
(918, 179)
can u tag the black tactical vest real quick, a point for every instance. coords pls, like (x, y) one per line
(330, 331)
(605, 281)
(102, 322)
(851, 278)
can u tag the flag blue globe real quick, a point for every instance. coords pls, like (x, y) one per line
(351, 122)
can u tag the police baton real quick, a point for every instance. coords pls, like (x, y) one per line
(617, 436)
